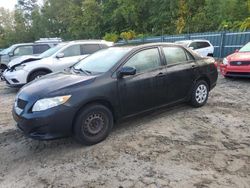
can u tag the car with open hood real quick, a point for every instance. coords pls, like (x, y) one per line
(237, 64)
(64, 55)
(110, 85)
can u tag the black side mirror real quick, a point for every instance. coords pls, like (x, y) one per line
(11, 54)
(125, 71)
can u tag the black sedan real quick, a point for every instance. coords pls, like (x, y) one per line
(111, 85)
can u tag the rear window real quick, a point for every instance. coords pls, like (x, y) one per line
(175, 55)
(90, 48)
(38, 49)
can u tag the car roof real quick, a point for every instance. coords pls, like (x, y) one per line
(136, 46)
(88, 41)
(195, 40)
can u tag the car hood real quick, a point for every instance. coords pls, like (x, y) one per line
(59, 83)
(239, 56)
(23, 59)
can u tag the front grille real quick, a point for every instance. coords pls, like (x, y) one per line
(240, 63)
(21, 103)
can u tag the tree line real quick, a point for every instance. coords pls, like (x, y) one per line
(119, 19)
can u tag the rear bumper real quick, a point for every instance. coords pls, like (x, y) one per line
(235, 71)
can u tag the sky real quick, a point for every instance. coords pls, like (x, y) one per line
(10, 4)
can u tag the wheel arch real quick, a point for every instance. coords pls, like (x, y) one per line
(101, 101)
(38, 69)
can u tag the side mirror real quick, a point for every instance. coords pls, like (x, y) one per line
(11, 54)
(126, 71)
(237, 50)
(192, 48)
(60, 55)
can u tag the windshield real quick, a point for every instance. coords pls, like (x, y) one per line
(102, 61)
(7, 50)
(245, 48)
(51, 51)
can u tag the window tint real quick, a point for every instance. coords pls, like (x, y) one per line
(194, 45)
(203, 44)
(198, 45)
(38, 49)
(104, 46)
(174, 55)
(90, 48)
(144, 60)
(23, 50)
(72, 51)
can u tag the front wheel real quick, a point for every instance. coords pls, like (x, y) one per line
(200, 94)
(93, 124)
(36, 75)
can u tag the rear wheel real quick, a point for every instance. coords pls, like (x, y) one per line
(200, 93)
(93, 124)
(37, 75)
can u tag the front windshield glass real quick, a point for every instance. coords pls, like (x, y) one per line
(51, 51)
(245, 48)
(7, 50)
(102, 61)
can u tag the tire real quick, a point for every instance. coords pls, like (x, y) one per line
(2, 68)
(93, 124)
(200, 94)
(36, 75)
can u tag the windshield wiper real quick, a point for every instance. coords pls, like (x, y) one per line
(81, 70)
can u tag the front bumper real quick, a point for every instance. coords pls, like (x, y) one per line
(235, 71)
(15, 78)
(46, 125)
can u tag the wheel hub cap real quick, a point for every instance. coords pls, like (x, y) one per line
(201, 93)
(94, 124)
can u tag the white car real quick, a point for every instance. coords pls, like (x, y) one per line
(202, 47)
(58, 58)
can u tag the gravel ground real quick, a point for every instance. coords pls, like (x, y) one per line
(177, 147)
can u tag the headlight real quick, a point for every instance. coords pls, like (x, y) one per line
(19, 67)
(44, 104)
(225, 61)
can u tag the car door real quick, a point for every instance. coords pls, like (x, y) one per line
(181, 71)
(71, 55)
(140, 92)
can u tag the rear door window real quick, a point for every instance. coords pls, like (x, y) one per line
(90, 48)
(38, 49)
(175, 55)
(73, 50)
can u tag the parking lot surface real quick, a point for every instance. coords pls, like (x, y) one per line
(177, 147)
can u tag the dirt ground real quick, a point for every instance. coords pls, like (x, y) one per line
(178, 147)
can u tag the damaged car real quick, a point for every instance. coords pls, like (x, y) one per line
(28, 68)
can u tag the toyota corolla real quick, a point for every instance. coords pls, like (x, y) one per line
(110, 85)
